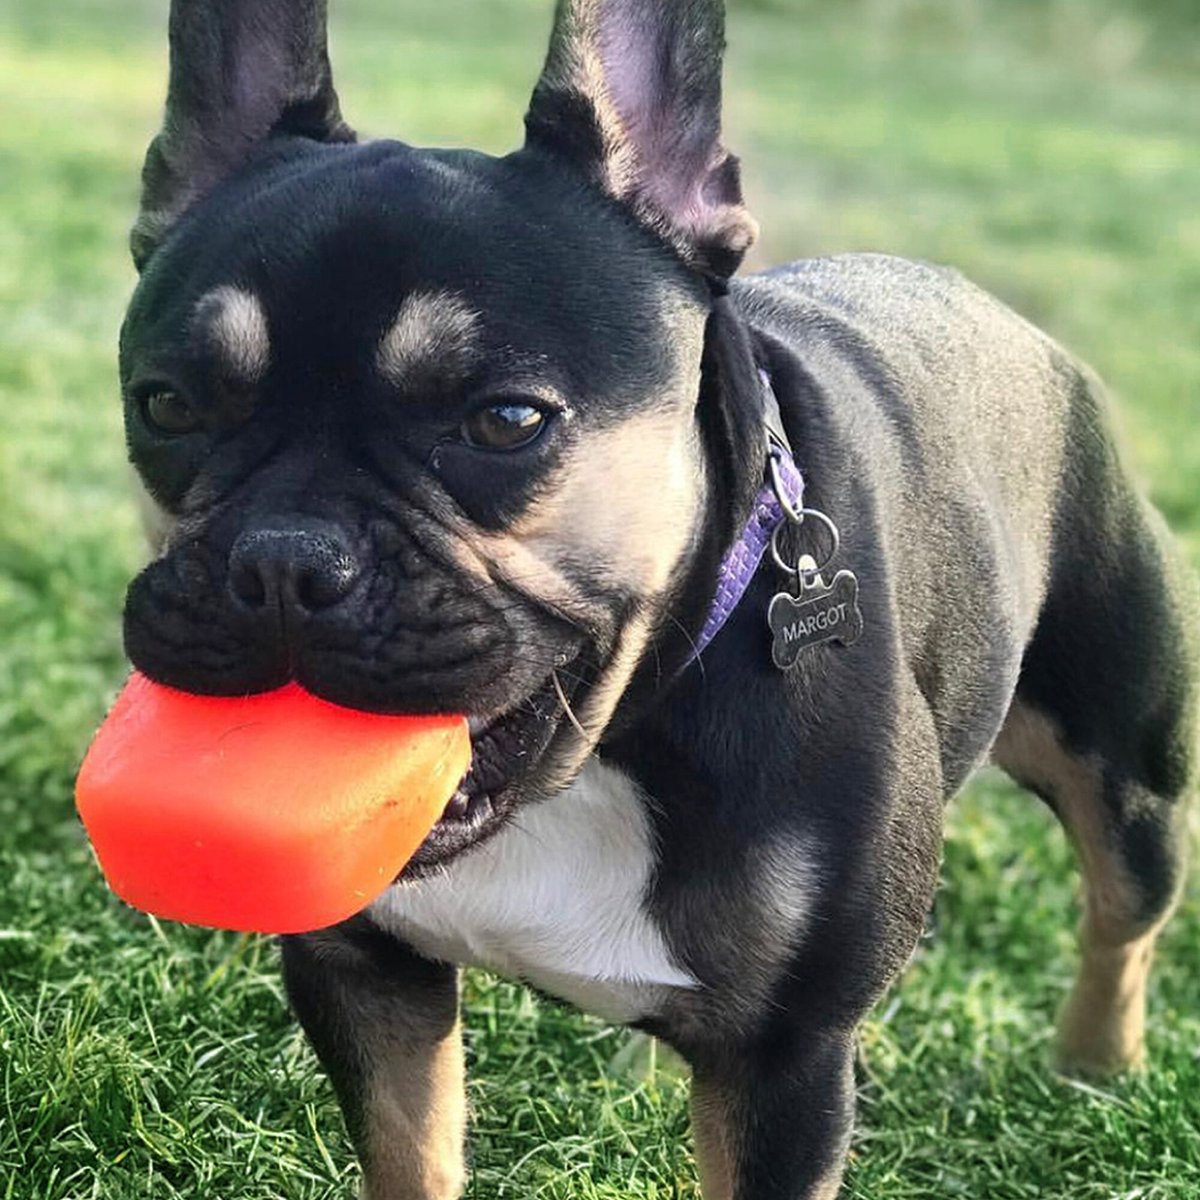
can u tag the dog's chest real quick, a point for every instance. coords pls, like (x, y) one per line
(557, 898)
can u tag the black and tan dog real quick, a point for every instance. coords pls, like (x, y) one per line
(430, 430)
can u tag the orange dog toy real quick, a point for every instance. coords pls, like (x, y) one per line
(278, 813)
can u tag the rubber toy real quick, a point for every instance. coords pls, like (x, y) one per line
(275, 813)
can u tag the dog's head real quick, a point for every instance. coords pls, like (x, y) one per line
(426, 430)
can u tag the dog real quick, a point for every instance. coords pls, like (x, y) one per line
(738, 579)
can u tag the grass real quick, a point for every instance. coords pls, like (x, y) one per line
(1048, 149)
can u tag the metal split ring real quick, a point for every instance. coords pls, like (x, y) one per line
(794, 515)
(798, 519)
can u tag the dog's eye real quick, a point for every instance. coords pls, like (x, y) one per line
(168, 412)
(506, 426)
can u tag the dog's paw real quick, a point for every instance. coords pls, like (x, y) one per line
(1098, 1045)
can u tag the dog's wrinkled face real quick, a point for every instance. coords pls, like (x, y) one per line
(424, 443)
(420, 428)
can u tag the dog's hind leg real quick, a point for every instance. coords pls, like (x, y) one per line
(385, 1024)
(1131, 853)
(1103, 727)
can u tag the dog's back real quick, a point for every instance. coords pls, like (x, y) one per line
(995, 483)
(1042, 607)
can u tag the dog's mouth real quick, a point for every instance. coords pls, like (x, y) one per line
(505, 749)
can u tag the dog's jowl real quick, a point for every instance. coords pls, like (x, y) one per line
(428, 430)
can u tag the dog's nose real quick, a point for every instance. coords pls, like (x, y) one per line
(294, 567)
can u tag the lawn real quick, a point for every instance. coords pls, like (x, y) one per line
(1049, 149)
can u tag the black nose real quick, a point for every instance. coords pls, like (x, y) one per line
(294, 566)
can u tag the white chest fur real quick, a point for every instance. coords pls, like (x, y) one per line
(557, 898)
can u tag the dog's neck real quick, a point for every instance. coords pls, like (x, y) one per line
(779, 500)
(737, 410)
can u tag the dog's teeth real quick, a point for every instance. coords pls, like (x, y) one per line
(458, 807)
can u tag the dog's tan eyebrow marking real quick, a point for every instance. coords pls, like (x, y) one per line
(231, 325)
(433, 332)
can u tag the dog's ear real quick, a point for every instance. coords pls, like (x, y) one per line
(241, 71)
(631, 94)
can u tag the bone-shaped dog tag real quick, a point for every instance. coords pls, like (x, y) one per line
(821, 614)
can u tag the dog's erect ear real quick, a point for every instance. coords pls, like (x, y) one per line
(631, 93)
(241, 71)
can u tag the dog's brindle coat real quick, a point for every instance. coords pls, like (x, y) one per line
(330, 346)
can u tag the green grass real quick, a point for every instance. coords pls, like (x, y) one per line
(1047, 148)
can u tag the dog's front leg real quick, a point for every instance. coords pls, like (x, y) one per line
(384, 1023)
(772, 1121)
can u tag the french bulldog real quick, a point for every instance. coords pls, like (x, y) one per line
(738, 579)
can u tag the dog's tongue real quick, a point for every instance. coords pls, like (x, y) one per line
(278, 813)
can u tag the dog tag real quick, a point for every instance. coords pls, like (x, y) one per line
(819, 614)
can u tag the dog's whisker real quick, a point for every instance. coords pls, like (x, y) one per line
(562, 699)
(695, 657)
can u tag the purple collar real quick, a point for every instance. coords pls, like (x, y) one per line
(741, 561)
